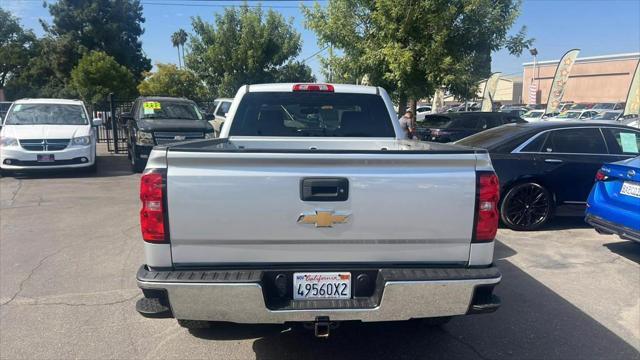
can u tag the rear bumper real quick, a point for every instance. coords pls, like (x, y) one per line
(613, 228)
(244, 296)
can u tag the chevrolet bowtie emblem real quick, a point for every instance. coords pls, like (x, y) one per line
(323, 218)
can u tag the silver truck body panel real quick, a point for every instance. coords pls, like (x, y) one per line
(237, 207)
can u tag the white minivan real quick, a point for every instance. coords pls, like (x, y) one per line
(47, 134)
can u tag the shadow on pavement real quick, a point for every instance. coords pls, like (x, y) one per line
(565, 223)
(534, 323)
(108, 166)
(625, 248)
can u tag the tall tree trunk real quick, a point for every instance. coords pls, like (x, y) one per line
(184, 62)
(402, 104)
(179, 61)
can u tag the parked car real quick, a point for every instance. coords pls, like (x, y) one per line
(564, 106)
(546, 168)
(581, 106)
(158, 121)
(517, 111)
(608, 116)
(450, 127)
(613, 206)
(608, 106)
(45, 134)
(422, 111)
(4, 107)
(301, 180)
(533, 115)
(222, 107)
(574, 115)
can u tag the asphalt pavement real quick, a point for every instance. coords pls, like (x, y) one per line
(70, 247)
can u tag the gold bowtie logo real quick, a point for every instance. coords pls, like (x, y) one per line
(323, 218)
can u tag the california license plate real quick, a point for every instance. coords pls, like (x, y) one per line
(45, 158)
(631, 189)
(322, 285)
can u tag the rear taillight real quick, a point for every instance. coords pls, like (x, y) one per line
(487, 206)
(313, 87)
(152, 221)
(601, 176)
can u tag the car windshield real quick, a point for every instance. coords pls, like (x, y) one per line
(569, 115)
(604, 106)
(174, 110)
(312, 114)
(534, 114)
(492, 136)
(433, 121)
(47, 114)
(608, 115)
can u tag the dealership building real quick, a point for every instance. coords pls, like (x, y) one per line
(592, 79)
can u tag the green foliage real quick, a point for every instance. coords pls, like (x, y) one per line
(111, 26)
(413, 47)
(16, 47)
(245, 46)
(171, 81)
(98, 74)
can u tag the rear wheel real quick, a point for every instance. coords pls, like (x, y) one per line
(526, 206)
(137, 165)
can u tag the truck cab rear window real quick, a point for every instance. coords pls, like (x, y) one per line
(312, 114)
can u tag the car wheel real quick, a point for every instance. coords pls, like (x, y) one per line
(526, 207)
(194, 324)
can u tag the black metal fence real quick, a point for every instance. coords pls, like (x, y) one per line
(112, 130)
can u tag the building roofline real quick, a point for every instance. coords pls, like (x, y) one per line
(612, 57)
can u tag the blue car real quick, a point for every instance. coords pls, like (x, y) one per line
(613, 206)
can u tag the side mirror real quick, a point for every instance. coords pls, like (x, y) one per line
(97, 122)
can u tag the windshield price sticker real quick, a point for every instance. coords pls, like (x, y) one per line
(151, 105)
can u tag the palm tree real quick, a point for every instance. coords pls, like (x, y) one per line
(182, 36)
(179, 38)
(175, 41)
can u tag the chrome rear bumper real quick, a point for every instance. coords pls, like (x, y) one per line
(238, 296)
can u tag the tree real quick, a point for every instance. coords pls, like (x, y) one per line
(414, 47)
(98, 74)
(245, 46)
(179, 38)
(171, 81)
(111, 26)
(17, 46)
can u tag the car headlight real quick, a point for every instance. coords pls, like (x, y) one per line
(8, 141)
(82, 140)
(144, 138)
(209, 135)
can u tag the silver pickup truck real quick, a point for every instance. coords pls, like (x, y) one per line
(314, 208)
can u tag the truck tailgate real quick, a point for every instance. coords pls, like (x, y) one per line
(234, 208)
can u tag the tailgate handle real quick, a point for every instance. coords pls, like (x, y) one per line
(324, 189)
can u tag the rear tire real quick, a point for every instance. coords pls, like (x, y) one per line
(137, 165)
(526, 207)
(194, 324)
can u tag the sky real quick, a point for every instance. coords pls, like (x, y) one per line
(597, 27)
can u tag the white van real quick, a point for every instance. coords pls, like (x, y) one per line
(47, 134)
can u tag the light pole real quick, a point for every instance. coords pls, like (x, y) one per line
(534, 53)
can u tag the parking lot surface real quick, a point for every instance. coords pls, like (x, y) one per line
(70, 247)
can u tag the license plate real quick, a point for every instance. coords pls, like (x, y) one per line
(630, 189)
(322, 285)
(46, 158)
